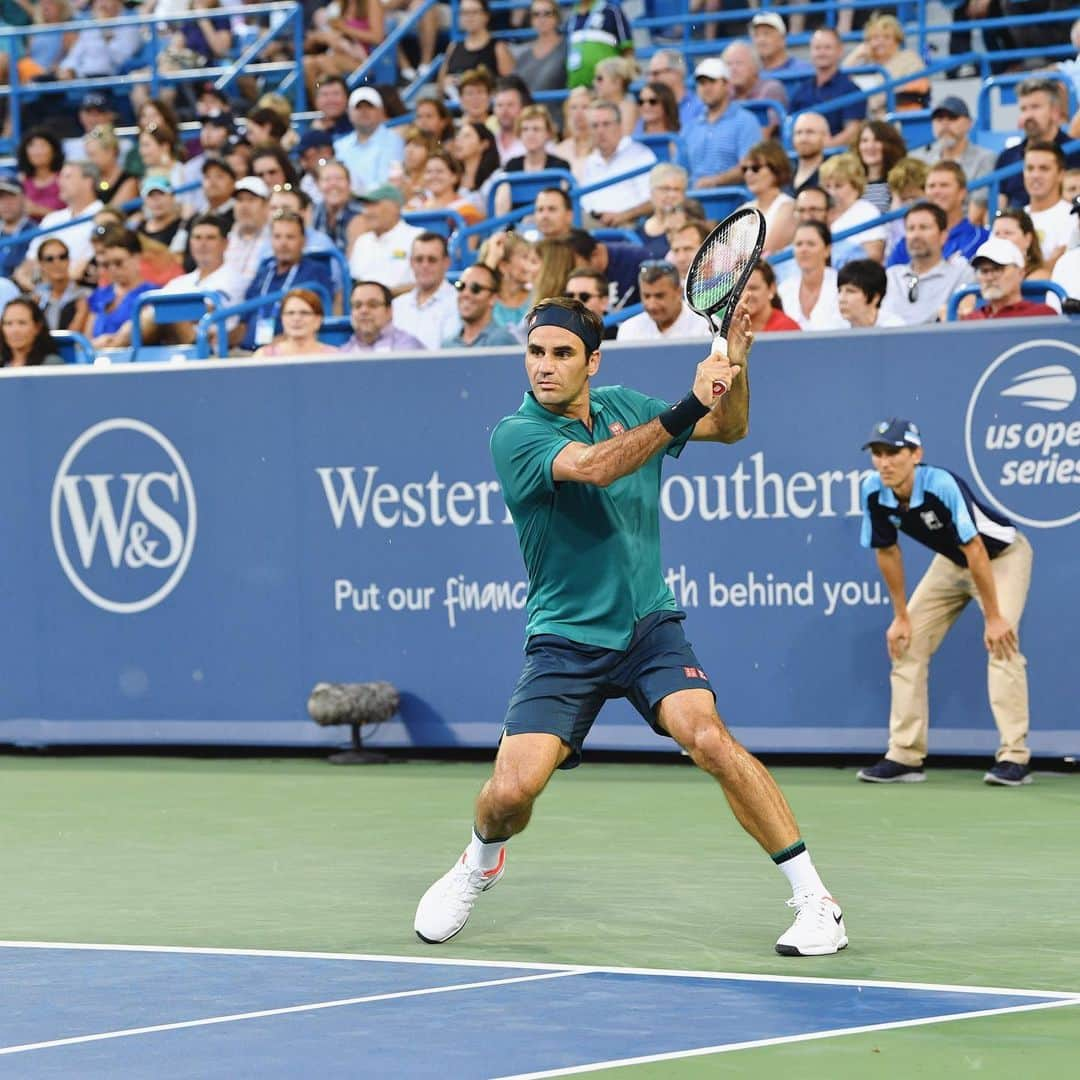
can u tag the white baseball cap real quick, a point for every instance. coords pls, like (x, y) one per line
(254, 185)
(712, 68)
(365, 93)
(769, 18)
(999, 250)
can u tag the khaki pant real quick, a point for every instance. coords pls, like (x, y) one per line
(935, 605)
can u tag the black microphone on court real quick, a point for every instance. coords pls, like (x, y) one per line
(354, 704)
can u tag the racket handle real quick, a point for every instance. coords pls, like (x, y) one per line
(719, 344)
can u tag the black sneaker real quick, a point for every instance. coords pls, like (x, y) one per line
(1008, 774)
(887, 771)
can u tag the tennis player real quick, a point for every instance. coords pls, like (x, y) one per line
(580, 471)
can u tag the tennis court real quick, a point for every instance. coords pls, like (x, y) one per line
(189, 917)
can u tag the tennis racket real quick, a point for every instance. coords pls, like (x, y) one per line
(720, 271)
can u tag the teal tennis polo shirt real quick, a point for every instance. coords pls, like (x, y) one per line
(592, 554)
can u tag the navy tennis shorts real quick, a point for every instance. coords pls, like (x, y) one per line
(564, 683)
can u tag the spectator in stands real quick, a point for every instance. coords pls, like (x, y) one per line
(518, 263)
(1044, 176)
(536, 131)
(409, 174)
(766, 173)
(238, 153)
(101, 52)
(25, 340)
(620, 262)
(861, 286)
(285, 269)
(14, 221)
(345, 40)
(768, 31)
(434, 119)
(372, 148)
(1071, 187)
(995, 38)
(999, 267)
(60, 299)
(946, 186)
(1042, 112)
(430, 307)
(218, 190)
(557, 260)
(157, 112)
(591, 288)
(78, 191)
(102, 148)
(43, 52)
(1016, 226)
(611, 83)
(301, 320)
(112, 306)
(907, 186)
(160, 218)
(879, 146)
(828, 84)
(667, 66)
(883, 45)
(577, 143)
(919, 289)
(314, 147)
(541, 63)
(339, 208)
(273, 167)
(748, 85)
(265, 127)
(478, 289)
(597, 29)
(666, 316)
(763, 305)
(809, 137)
(199, 42)
(810, 297)
(659, 115)
(474, 148)
(40, 159)
(331, 102)
(844, 179)
(623, 202)
(553, 213)
(382, 252)
(476, 89)
(213, 141)
(951, 123)
(442, 181)
(511, 97)
(474, 47)
(667, 192)
(371, 313)
(718, 140)
(316, 242)
(156, 152)
(251, 230)
(683, 244)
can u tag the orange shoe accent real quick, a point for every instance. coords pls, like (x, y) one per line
(498, 866)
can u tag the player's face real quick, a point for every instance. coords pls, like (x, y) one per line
(558, 368)
(895, 464)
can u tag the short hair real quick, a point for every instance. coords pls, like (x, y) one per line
(1048, 148)
(654, 270)
(574, 305)
(618, 67)
(867, 275)
(814, 189)
(1036, 85)
(831, 32)
(567, 201)
(331, 80)
(429, 237)
(600, 279)
(772, 154)
(534, 112)
(271, 119)
(290, 216)
(309, 297)
(907, 173)
(667, 170)
(608, 107)
(582, 243)
(844, 168)
(387, 295)
(702, 228)
(213, 220)
(119, 236)
(333, 163)
(888, 24)
(673, 57)
(953, 167)
(477, 76)
(823, 230)
(303, 199)
(451, 162)
(517, 84)
(89, 170)
(933, 210)
(496, 277)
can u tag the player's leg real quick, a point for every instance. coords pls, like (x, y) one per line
(523, 767)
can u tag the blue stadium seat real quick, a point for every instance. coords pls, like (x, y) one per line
(667, 146)
(335, 331)
(764, 109)
(524, 187)
(720, 201)
(616, 236)
(73, 347)
(170, 308)
(1032, 289)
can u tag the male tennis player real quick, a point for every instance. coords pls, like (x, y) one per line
(580, 471)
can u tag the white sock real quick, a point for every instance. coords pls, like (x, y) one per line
(802, 876)
(483, 854)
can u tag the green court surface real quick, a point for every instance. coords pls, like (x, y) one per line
(947, 882)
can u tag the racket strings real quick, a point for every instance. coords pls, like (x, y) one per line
(721, 262)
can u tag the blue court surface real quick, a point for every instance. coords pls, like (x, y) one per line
(135, 1011)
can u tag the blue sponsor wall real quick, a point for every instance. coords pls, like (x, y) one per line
(187, 550)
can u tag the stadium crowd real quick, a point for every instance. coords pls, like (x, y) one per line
(368, 212)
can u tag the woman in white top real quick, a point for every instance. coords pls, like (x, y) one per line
(810, 297)
(844, 179)
(577, 144)
(766, 171)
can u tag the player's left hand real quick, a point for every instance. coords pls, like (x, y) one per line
(1000, 638)
(740, 335)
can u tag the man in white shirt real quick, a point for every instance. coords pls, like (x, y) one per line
(509, 101)
(666, 316)
(918, 290)
(382, 253)
(1044, 177)
(614, 154)
(251, 229)
(78, 186)
(429, 310)
(372, 148)
(861, 286)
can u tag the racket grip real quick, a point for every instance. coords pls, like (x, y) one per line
(719, 344)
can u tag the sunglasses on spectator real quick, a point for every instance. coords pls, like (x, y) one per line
(53, 258)
(653, 269)
(472, 286)
(643, 100)
(584, 297)
(753, 167)
(911, 281)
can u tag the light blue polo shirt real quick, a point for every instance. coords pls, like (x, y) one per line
(718, 145)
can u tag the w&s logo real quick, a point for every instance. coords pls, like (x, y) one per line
(1022, 433)
(123, 515)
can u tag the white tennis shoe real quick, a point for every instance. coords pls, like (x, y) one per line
(818, 929)
(445, 908)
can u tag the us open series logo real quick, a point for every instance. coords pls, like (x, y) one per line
(123, 515)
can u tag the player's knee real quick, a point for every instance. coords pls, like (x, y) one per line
(711, 745)
(512, 793)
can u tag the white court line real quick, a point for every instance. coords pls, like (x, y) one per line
(528, 965)
(312, 1007)
(725, 1048)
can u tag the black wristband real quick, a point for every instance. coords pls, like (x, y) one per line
(683, 415)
